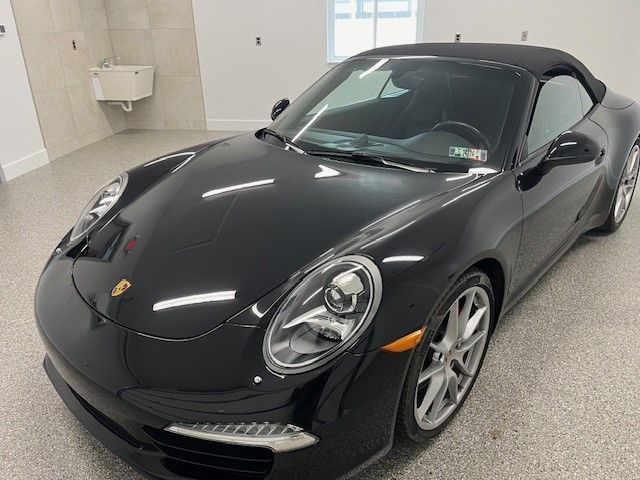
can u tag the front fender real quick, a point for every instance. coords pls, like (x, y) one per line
(483, 221)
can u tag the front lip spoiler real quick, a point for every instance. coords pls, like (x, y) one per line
(287, 439)
(114, 442)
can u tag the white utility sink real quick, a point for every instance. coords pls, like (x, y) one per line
(122, 83)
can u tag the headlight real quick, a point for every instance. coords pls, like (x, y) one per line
(99, 205)
(324, 315)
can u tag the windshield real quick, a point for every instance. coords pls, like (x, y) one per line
(423, 110)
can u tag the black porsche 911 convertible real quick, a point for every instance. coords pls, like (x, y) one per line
(285, 303)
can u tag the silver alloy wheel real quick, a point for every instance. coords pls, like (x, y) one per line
(453, 358)
(627, 184)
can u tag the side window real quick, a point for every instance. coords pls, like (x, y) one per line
(587, 103)
(559, 107)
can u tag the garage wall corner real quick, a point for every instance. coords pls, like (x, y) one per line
(20, 137)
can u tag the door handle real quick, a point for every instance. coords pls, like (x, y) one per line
(603, 152)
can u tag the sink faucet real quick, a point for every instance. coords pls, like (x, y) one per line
(109, 62)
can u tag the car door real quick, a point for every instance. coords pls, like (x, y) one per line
(554, 202)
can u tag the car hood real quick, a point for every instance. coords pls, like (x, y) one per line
(218, 233)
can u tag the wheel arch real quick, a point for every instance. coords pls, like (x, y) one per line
(492, 268)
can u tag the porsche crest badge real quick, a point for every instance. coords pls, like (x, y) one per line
(122, 286)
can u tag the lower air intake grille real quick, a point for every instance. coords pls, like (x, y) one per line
(106, 421)
(202, 459)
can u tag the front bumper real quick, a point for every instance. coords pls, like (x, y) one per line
(126, 387)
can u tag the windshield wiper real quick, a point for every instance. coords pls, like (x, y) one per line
(371, 159)
(284, 139)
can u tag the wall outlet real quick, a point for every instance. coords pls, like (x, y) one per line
(259, 41)
(458, 37)
(524, 36)
(3, 30)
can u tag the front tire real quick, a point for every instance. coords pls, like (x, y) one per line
(446, 363)
(624, 191)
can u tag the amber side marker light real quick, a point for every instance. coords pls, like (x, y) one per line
(405, 343)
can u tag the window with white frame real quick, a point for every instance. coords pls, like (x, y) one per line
(358, 25)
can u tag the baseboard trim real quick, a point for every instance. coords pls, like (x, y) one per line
(24, 165)
(218, 124)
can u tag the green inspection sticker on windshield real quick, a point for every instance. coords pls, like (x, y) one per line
(468, 153)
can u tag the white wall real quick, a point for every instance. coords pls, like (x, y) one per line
(21, 145)
(603, 34)
(242, 81)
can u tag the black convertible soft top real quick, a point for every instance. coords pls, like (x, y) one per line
(537, 60)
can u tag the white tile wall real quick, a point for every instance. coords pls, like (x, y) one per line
(66, 15)
(128, 14)
(160, 33)
(141, 32)
(69, 115)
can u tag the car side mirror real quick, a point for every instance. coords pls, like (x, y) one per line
(279, 107)
(571, 148)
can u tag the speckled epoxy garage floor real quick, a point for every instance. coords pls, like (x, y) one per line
(558, 396)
